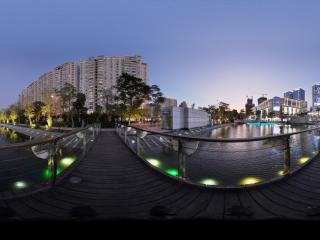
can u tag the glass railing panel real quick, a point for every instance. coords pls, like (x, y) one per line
(223, 163)
(24, 169)
(304, 147)
(158, 151)
(68, 151)
(229, 164)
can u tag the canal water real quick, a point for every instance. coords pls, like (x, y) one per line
(8, 136)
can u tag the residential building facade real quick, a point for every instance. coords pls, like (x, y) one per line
(90, 76)
(42, 88)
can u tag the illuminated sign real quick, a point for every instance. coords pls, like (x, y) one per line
(276, 108)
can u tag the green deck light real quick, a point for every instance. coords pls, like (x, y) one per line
(172, 172)
(154, 162)
(210, 182)
(47, 173)
(250, 181)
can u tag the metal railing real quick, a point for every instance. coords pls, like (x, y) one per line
(223, 162)
(29, 167)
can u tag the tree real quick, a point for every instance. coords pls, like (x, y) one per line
(46, 111)
(79, 106)
(3, 117)
(29, 113)
(131, 93)
(13, 113)
(37, 110)
(67, 96)
(211, 109)
(156, 98)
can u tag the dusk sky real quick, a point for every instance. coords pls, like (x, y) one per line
(199, 51)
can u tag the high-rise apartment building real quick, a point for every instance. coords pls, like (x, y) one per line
(45, 85)
(261, 100)
(249, 105)
(91, 76)
(297, 94)
(288, 94)
(102, 72)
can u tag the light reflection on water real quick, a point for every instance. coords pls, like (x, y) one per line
(253, 130)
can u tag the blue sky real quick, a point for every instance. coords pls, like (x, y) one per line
(201, 51)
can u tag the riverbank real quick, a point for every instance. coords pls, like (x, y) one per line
(31, 132)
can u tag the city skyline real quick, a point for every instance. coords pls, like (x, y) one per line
(224, 50)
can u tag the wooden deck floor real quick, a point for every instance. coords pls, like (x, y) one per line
(116, 184)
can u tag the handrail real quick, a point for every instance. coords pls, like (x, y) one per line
(61, 159)
(181, 149)
(252, 139)
(40, 142)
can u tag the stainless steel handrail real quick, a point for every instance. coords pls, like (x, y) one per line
(252, 139)
(123, 132)
(41, 142)
(53, 158)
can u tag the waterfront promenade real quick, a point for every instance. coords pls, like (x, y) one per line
(115, 184)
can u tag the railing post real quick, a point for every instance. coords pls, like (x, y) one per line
(287, 156)
(137, 143)
(53, 163)
(181, 161)
(84, 144)
(125, 135)
(93, 133)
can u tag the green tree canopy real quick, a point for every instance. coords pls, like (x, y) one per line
(131, 93)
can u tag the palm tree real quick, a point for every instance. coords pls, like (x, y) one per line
(2, 117)
(46, 111)
(13, 114)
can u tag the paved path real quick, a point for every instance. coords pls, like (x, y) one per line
(116, 184)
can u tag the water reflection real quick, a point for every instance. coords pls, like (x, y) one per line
(253, 130)
(8, 136)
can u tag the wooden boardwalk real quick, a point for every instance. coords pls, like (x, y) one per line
(117, 185)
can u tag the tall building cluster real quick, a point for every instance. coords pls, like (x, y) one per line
(292, 103)
(297, 94)
(90, 76)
